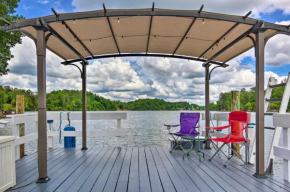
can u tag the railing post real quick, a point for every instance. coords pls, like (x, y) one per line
(50, 142)
(118, 128)
(15, 132)
(286, 162)
(20, 109)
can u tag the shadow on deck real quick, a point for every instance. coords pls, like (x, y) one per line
(139, 169)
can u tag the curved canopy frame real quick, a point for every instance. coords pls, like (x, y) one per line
(81, 50)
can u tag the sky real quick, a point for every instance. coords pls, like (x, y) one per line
(128, 79)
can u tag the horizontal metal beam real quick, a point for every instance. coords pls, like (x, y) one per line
(78, 39)
(274, 100)
(176, 13)
(245, 34)
(224, 35)
(188, 29)
(184, 36)
(270, 128)
(278, 85)
(146, 55)
(111, 29)
(149, 33)
(268, 114)
(5, 21)
(62, 40)
(219, 39)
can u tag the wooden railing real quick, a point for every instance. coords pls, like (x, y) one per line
(15, 120)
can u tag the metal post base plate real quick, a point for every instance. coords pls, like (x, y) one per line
(84, 148)
(260, 176)
(43, 180)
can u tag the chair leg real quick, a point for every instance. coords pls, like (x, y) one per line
(236, 152)
(217, 151)
(176, 144)
(216, 147)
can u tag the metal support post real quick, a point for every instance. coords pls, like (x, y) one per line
(260, 140)
(84, 108)
(207, 114)
(41, 92)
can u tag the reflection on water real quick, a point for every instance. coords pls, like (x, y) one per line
(145, 128)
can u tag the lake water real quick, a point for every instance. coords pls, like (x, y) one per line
(145, 128)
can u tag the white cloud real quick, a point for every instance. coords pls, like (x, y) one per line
(27, 8)
(277, 52)
(225, 6)
(43, 1)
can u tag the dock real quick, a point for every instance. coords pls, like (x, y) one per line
(139, 169)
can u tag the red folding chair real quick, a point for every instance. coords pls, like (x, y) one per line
(238, 123)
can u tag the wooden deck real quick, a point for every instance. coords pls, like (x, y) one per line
(139, 169)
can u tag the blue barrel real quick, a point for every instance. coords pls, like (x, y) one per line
(69, 142)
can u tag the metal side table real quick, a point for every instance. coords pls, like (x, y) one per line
(192, 140)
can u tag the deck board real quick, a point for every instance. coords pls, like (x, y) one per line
(133, 185)
(34, 170)
(141, 169)
(152, 171)
(164, 177)
(78, 183)
(199, 173)
(123, 179)
(143, 172)
(90, 181)
(189, 184)
(173, 174)
(115, 173)
(226, 177)
(190, 174)
(33, 164)
(102, 179)
(245, 169)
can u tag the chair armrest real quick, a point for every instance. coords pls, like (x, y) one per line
(218, 128)
(171, 125)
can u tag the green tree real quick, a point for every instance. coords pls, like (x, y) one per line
(3, 97)
(10, 39)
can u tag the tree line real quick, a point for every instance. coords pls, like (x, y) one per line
(248, 100)
(71, 100)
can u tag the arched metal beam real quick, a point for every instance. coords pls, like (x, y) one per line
(146, 55)
(24, 32)
(76, 67)
(174, 13)
(209, 75)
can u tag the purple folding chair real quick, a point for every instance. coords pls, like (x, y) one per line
(188, 124)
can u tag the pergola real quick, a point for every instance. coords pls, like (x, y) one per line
(211, 38)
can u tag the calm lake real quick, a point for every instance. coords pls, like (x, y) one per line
(144, 128)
